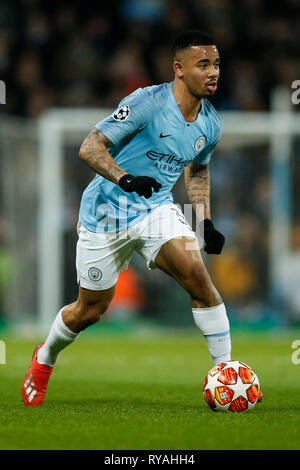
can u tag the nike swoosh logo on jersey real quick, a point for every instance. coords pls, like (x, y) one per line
(162, 136)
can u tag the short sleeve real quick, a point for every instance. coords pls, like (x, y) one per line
(205, 155)
(131, 116)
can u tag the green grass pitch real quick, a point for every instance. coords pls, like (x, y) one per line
(131, 393)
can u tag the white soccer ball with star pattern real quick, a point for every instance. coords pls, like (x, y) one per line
(231, 386)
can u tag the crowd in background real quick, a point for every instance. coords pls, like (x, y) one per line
(71, 54)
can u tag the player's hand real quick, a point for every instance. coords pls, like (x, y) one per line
(214, 240)
(142, 185)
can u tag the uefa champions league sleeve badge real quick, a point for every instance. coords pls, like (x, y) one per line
(122, 113)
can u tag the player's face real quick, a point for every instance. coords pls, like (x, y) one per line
(199, 68)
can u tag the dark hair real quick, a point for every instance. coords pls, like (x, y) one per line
(191, 37)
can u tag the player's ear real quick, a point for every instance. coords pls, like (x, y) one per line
(178, 68)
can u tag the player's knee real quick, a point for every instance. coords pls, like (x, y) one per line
(90, 313)
(196, 275)
(198, 283)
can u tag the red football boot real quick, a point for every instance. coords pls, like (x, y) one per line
(260, 397)
(35, 382)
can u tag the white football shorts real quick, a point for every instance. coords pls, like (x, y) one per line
(100, 257)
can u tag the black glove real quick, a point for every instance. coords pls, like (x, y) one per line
(142, 185)
(214, 240)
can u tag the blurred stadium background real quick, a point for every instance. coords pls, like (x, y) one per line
(65, 65)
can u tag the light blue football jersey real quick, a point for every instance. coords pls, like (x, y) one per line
(150, 138)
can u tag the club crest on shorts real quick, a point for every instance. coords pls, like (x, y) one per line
(199, 144)
(95, 274)
(122, 113)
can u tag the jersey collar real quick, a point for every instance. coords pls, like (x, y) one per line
(179, 113)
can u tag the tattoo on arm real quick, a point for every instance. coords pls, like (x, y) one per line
(197, 185)
(94, 153)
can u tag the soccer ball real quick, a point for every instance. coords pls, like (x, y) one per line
(231, 386)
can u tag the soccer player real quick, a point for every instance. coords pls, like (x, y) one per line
(138, 153)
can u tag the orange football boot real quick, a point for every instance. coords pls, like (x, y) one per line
(35, 382)
(260, 397)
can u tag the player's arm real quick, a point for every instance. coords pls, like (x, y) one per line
(94, 152)
(197, 185)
